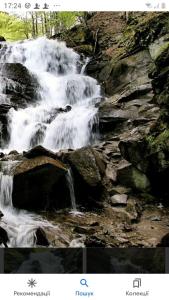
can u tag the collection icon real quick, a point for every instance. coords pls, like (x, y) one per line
(137, 283)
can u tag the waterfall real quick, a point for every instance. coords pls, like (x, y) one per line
(63, 115)
(71, 189)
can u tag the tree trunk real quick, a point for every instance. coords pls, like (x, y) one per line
(45, 23)
(42, 25)
(36, 24)
(33, 25)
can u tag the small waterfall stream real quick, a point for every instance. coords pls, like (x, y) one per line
(61, 117)
(19, 224)
(71, 189)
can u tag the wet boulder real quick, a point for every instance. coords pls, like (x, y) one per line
(39, 151)
(40, 238)
(4, 135)
(18, 83)
(3, 237)
(40, 184)
(88, 169)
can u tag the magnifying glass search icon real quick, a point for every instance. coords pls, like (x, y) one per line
(84, 282)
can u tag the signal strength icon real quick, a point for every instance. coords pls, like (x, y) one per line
(149, 5)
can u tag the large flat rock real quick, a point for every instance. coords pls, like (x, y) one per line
(40, 184)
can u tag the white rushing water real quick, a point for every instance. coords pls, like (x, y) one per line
(62, 84)
(19, 224)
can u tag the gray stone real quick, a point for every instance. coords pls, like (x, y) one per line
(120, 190)
(111, 173)
(132, 177)
(119, 199)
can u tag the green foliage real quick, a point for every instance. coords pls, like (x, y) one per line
(34, 24)
(13, 28)
(161, 142)
(68, 19)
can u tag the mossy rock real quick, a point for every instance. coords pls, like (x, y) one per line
(147, 29)
(118, 54)
(159, 46)
(77, 36)
(132, 177)
(84, 49)
(161, 142)
(163, 98)
(128, 73)
(162, 59)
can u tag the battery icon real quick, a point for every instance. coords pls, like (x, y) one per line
(163, 5)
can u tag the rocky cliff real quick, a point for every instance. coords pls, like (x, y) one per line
(129, 56)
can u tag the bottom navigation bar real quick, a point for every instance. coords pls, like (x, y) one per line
(94, 286)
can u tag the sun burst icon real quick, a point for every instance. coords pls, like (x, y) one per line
(31, 283)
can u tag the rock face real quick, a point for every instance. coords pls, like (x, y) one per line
(130, 60)
(39, 184)
(129, 76)
(134, 74)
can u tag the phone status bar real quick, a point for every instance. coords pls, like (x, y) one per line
(88, 5)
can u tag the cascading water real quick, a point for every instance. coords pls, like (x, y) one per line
(61, 83)
(61, 117)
